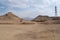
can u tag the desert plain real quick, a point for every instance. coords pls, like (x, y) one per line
(30, 31)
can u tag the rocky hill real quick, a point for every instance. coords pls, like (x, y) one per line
(47, 19)
(41, 18)
(10, 18)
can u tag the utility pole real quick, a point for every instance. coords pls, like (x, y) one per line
(55, 11)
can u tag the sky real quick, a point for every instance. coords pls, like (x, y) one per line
(29, 8)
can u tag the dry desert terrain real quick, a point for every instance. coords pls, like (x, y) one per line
(30, 31)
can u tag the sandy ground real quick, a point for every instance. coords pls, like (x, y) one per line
(30, 32)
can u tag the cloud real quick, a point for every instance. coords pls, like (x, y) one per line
(18, 3)
(28, 7)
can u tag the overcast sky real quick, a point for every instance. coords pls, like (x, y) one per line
(29, 8)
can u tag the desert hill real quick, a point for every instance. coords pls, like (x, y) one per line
(41, 18)
(47, 19)
(10, 18)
